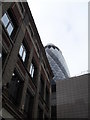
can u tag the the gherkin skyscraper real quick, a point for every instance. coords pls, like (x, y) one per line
(57, 62)
(60, 71)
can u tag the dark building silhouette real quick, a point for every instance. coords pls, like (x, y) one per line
(26, 73)
(60, 71)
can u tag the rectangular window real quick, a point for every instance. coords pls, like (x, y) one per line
(5, 20)
(28, 105)
(15, 88)
(42, 87)
(32, 70)
(47, 96)
(53, 88)
(7, 23)
(22, 52)
(40, 113)
(3, 56)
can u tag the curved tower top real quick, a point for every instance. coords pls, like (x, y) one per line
(57, 62)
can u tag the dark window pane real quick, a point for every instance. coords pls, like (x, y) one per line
(47, 96)
(53, 88)
(28, 105)
(40, 113)
(15, 88)
(42, 87)
(4, 55)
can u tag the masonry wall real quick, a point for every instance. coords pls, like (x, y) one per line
(72, 97)
(26, 73)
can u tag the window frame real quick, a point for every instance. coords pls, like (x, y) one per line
(7, 26)
(23, 51)
(47, 96)
(26, 50)
(28, 106)
(32, 70)
(16, 81)
(4, 55)
(41, 90)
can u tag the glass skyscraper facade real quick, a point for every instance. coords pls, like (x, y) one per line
(60, 71)
(57, 63)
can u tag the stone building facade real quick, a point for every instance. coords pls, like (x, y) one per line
(26, 73)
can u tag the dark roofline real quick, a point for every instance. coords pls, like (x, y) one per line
(51, 45)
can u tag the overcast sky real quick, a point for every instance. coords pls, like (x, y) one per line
(65, 24)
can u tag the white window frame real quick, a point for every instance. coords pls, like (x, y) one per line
(22, 52)
(32, 70)
(9, 25)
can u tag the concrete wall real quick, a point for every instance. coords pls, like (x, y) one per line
(72, 97)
